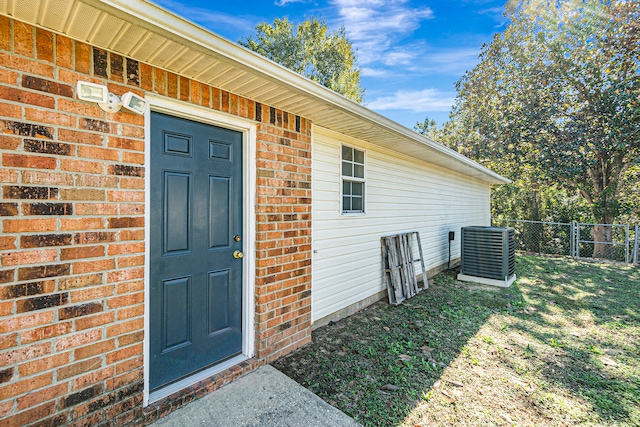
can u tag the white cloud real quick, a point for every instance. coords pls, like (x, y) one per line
(374, 25)
(286, 2)
(422, 101)
(374, 72)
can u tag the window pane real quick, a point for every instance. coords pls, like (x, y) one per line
(346, 188)
(358, 171)
(359, 156)
(356, 204)
(347, 153)
(347, 169)
(346, 203)
(356, 188)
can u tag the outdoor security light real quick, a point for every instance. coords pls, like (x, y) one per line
(134, 103)
(92, 92)
(108, 101)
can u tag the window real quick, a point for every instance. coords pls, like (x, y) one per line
(352, 180)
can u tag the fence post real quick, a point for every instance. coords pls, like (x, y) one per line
(626, 244)
(572, 240)
(635, 245)
(577, 240)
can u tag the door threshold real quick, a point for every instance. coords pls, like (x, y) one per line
(189, 381)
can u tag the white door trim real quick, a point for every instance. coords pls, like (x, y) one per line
(248, 129)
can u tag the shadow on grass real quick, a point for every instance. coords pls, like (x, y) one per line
(379, 363)
(582, 323)
(571, 328)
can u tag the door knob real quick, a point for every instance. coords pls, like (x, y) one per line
(238, 254)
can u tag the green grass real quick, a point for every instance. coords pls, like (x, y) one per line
(560, 347)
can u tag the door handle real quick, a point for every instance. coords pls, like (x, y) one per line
(238, 254)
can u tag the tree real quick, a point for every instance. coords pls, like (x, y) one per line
(555, 98)
(324, 56)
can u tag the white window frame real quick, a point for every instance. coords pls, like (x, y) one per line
(347, 178)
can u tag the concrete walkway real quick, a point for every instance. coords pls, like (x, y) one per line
(263, 398)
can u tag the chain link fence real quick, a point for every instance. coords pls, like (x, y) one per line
(616, 242)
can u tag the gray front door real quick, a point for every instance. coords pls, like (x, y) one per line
(196, 226)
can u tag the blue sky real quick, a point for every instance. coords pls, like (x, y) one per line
(411, 52)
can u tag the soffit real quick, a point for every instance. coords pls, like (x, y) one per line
(142, 30)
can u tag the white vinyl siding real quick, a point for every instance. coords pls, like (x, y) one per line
(403, 194)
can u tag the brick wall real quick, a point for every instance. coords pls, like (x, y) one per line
(72, 232)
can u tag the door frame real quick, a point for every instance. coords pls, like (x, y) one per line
(248, 129)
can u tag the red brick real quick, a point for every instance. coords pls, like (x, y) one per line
(129, 312)
(78, 368)
(28, 161)
(82, 194)
(7, 243)
(81, 252)
(96, 209)
(8, 341)
(23, 354)
(132, 261)
(78, 136)
(49, 117)
(124, 275)
(27, 417)
(29, 257)
(135, 158)
(81, 224)
(26, 97)
(15, 112)
(94, 349)
(41, 396)
(92, 293)
(125, 196)
(44, 45)
(126, 143)
(89, 322)
(91, 152)
(81, 166)
(82, 338)
(133, 183)
(27, 65)
(82, 57)
(172, 85)
(125, 327)
(93, 266)
(46, 332)
(7, 76)
(126, 248)
(64, 51)
(8, 176)
(29, 225)
(126, 300)
(159, 81)
(123, 354)
(125, 340)
(77, 282)
(5, 33)
(131, 235)
(46, 178)
(23, 39)
(93, 237)
(44, 364)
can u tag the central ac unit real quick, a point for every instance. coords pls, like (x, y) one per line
(488, 255)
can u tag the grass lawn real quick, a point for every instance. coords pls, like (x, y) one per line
(560, 347)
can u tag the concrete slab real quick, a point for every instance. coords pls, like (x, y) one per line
(263, 398)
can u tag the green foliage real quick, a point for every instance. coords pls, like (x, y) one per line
(555, 101)
(326, 57)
